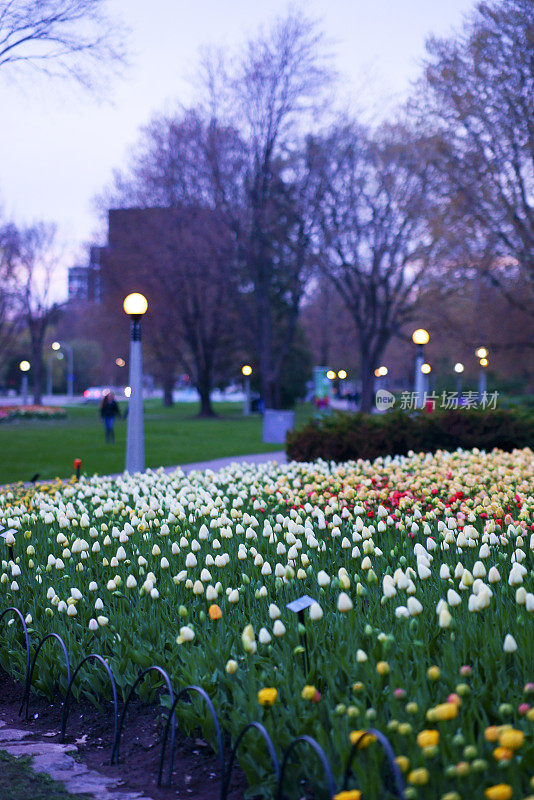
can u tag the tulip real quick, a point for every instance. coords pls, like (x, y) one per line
(344, 603)
(187, 634)
(510, 644)
(264, 636)
(316, 612)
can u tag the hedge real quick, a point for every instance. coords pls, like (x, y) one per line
(343, 436)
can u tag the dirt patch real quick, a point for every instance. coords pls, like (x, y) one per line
(196, 773)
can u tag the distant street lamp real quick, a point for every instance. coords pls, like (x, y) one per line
(482, 354)
(459, 368)
(246, 371)
(70, 365)
(342, 374)
(331, 375)
(24, 367)
(50, 366)
(135, 305)
(420, 337)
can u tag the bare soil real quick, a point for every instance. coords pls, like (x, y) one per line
(196, 773)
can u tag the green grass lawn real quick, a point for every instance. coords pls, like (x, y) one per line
(19, 782)
(172, 436)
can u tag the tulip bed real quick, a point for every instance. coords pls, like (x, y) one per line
(421, 569)
(10, 413)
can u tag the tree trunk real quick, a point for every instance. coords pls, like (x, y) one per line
(368, 380)
(168, 386)
(204, 390)
(37, 370)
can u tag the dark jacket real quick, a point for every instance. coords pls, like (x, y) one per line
(109, 410)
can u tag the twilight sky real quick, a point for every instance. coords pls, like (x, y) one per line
(58, 145)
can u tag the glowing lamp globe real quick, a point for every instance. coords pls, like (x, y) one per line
(342, 374)
(426, 368)
(55, 345)
(420, 336)
(481, 352)
(484, 362)
(246, 370)
(331, 375)
(24, 366)
(135, 304)
(458, 367)
(382, 371)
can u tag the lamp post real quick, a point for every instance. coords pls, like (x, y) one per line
(24, 367)
(459, 368)
(482, 354)
(246, 371)
(420, 337)
(380, 372)
(49, 376)
(70, 366)
(135, 305)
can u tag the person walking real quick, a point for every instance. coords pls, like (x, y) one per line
(109, 409)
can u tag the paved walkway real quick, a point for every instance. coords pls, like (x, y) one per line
(218, 463)
(56, 760)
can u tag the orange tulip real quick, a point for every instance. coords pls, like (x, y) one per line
(215, 611)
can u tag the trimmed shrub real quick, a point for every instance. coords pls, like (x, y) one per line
(343, 436)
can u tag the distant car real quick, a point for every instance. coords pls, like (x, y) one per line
(96, 393)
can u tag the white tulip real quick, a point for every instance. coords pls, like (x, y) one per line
(444, 619)
(264, 636)
(344, 603)
(316, 612)
(414, 606)
(510, 644)
(323, 579)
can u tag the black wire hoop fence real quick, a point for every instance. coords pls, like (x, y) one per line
(395, 784)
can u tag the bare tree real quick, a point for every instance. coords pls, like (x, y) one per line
(35, 262)
(476, 100)
(374, 232)
(185, 257)
(270, 95)
(9, 316)
(179, 257)
(60, 38)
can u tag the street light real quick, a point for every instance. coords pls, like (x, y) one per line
(24, 367)
(482, 354)
(342, 374)
(50, 365)
(426, 369)
(331, 375)
(459, 368)
(246, 371)
(135, 305)
(420, 337)
(70, 366)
